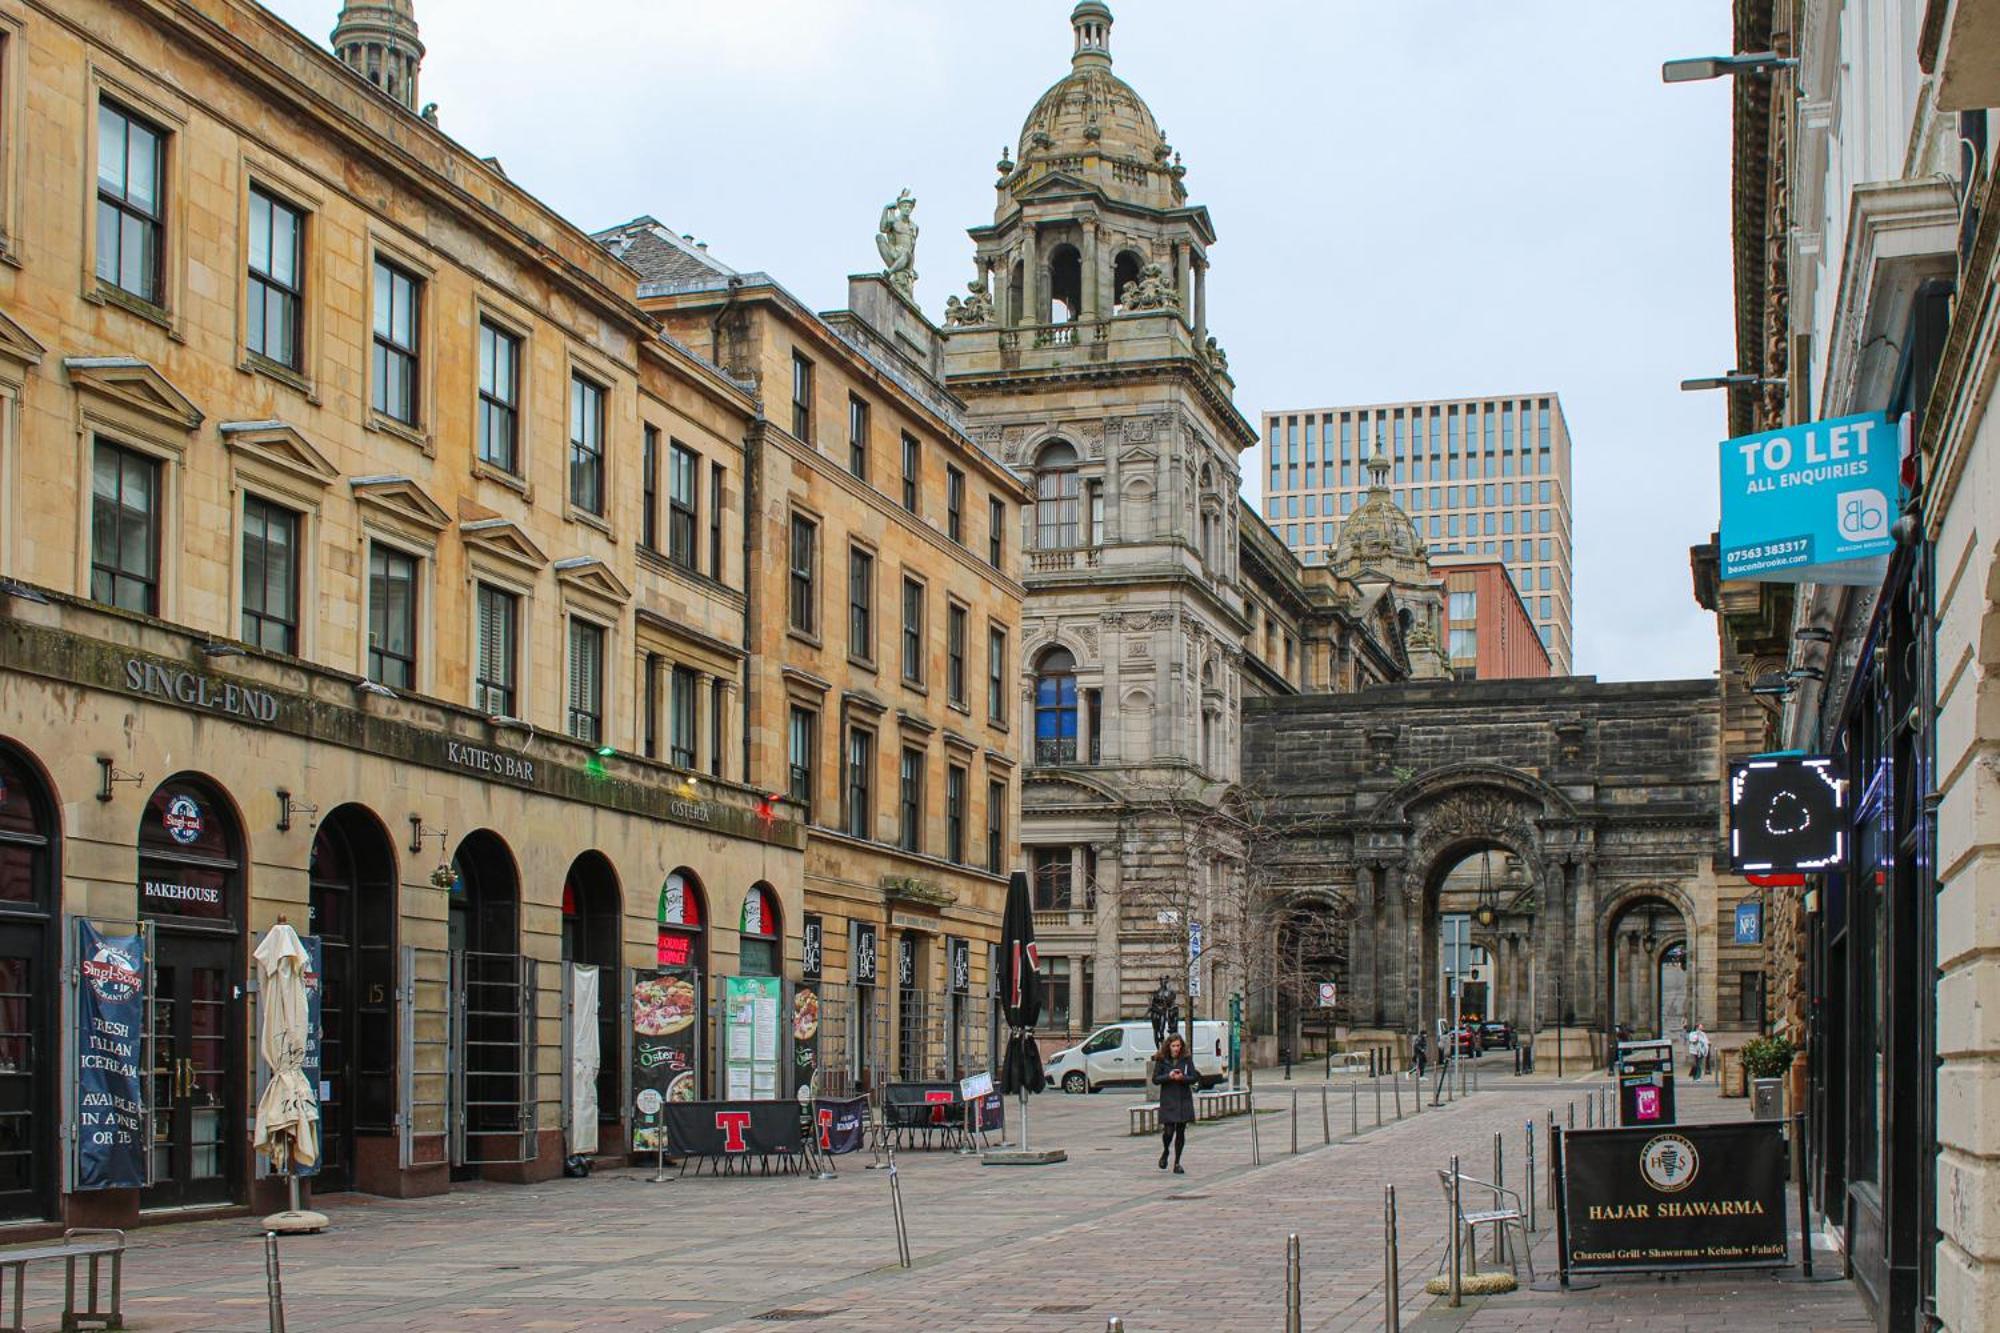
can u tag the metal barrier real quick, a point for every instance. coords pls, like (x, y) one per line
(492, 1058)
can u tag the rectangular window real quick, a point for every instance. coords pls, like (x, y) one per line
(718, 705)
(586, 681)
(913, 631)
(996, 824)
(805, 543)
(649, 691)
(683, 481)
(954, 655)
(499, 398)
(649, 487)
(1464, 605)
(1094, 505)
(1049, 872)
(397, 296)
(996, 676)
(913, 466)
(392, 618)
(270, 576)
(715, 475)
(493, 684)
(860, 781)
(586, 445)
(956, 779)
(682, 687)
(910, 808)
(857, 437)
(954, 504)
(800, 742)
(131, 202)
(860, 604)
(802, 398)
(996, 536)
(276, 286)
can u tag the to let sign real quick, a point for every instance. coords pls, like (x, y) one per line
(1812, 502)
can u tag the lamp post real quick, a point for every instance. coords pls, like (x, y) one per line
(1698, 68)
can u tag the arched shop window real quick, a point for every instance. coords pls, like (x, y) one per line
(188, 857)
(683, 922)
(28, 993)
(758, 949)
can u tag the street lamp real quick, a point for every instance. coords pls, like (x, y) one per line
(1735, 379)
(1699, 68)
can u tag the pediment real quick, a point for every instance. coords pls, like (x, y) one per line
(18, 345)
(282, 446)
(504, 539)
(401, 498)
(132, 383)
(1138, 455)
(590, 576)
(1057, 182)
(1046, 790)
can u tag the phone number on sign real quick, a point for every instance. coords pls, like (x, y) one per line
(1770, 550)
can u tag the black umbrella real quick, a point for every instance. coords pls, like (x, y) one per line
(1020, 991)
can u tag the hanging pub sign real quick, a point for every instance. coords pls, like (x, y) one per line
(1749, 923)
(960, 953)
(1652, 1198)
(1786, 813)
(665, 1059)
(111, 1137)
(864, 954)
(1811, 503)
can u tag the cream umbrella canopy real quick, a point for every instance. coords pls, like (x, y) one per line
(288, 1112)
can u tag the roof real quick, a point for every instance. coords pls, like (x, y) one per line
(656, 254)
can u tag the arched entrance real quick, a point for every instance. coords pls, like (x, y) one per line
(493, 988)
(191, 889)
(1646, 954)
(1310, 951)
(352, 876)
(591, 906)
(1462, 982)
(29, 994)
(682, 953)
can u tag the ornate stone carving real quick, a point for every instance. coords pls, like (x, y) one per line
(976, 309)
(896, 239)
(1216, 356)
(1152, 291)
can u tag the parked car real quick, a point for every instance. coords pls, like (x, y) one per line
(1123, 1053)
(1497, 1036)
(1464, 1041)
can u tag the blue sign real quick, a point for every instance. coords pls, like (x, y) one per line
(110, 1034)
(1811, 503)
(1749, 923)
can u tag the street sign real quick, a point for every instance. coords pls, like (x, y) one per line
(1786, 812)
(1328, 993)
(1812, 502)
(1749, 923)
(1194, 939)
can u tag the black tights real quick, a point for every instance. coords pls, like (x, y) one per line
(1174, 1137)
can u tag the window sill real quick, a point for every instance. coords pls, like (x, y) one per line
(588, 520)
(916, 687)
(963, 706)
(863, 663)
(500, 476)
(111, 294)
(254, 364)
(384, 424)
(811, 640)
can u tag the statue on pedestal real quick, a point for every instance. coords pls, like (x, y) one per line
(896, 238)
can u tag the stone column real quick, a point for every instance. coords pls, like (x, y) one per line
(1200, 298)
(701, 741)
(1583, 946)
(1364, 1001)
(1093, 304)
(1031, 278)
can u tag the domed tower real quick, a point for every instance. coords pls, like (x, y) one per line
(377, 39)
(1381, 553)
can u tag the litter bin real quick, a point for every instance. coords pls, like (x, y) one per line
(1645, 1082)
(1767, 1098)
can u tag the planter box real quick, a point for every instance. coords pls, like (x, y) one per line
(1734, 1082)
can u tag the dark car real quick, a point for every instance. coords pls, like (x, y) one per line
(1497, 1036)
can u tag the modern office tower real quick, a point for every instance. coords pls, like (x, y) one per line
(1478, 476)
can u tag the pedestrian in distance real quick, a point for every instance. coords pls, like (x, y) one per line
(1420, 1054)
(1698, 1039)
(1174, 1071)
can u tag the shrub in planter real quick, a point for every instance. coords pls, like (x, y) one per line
(1768, 1057)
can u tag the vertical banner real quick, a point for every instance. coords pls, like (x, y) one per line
(805, 1006)
(110, 1033)
(863, 968)
(960, 953)
(312, 1068)
(750, 1038)
(665, 1062)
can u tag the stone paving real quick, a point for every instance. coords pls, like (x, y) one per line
(1051, 1248)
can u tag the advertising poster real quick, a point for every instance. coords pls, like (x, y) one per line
(111, 1137)
(806, 1007)
(843, 1124)
(735, 1129)
(1648, 1199)
(665, 1048)
(315, 1077)
(1812, 502)
(750, 1038)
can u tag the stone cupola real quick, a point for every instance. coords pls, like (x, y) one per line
(1378, 537)
(377, 39)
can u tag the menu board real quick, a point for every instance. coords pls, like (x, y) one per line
(750, 1038)
(666, 1012)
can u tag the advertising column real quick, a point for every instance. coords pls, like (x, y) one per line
(111, 1030)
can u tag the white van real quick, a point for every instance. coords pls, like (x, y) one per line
(1123, 1053)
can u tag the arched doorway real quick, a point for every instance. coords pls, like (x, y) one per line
(591, 907)
(493, 986)
(191, 889)
(352, 877)
(1461, 981)
(682, 953)
(29, 994)
(1646, 957)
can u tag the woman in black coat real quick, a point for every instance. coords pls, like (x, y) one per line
(1174, 1071)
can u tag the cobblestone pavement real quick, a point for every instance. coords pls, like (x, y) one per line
(1049, 1248)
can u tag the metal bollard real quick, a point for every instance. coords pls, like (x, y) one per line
(1528, 1137)
(1295, 1122)
(1499, 1179)
(1392, 1308)
(1293, 1321)
(896, 1206)
(274, 1285)
(1397, 1079)
(1378, 1101)
(1256, 1146)
(1325, 1115)
(1114, 1325)
(1571, 1113)
(1552, 1159)
(1455, 1280)
(1353, 1109)
(1590, 1111)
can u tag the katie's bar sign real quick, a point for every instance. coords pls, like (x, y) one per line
(1810, 503)
(1658, 1196)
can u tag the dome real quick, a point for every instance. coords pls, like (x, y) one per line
(1378, 535)
(1092, 124)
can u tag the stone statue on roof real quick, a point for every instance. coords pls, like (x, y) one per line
(896, 238)
(974, 310)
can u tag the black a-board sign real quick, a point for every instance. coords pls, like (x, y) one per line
(1661, 1198)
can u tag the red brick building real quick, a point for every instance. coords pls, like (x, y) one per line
(1489, 633)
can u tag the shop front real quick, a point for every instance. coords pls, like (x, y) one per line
(29, 1004)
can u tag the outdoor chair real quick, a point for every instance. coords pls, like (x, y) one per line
(1498, 1217)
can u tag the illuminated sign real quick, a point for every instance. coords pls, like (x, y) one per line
(1786, 812)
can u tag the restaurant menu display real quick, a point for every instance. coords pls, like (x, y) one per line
(110, 1034)
(750, 1038)
(806, 1007)
(666, 1047)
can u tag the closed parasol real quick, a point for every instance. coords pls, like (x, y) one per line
(288, 1111)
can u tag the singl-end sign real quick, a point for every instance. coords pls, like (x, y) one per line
(1654, 1197)
(1811, 503)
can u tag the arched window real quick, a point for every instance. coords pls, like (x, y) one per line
(759, 944)
(1065, 284)
(1055, 708)
(1124, 273)
(683, 922)
(1016, 293)
(1056, 494)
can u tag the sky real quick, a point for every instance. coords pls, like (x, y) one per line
(1420, 199)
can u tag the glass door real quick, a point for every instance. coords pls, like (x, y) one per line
(26, 1161)
(195, 1075)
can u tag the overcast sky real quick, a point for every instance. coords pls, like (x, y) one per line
(1419, 199)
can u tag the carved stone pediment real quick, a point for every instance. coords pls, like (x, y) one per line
(590, 576)
(282, 446)
(400, 499)
(132, 383)
(504, 539)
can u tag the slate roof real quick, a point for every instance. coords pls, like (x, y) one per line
(658, 254)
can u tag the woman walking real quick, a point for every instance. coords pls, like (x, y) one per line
(1174, 1071)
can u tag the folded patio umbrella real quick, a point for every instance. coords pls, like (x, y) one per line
(288, 1112)
(1020, 991)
